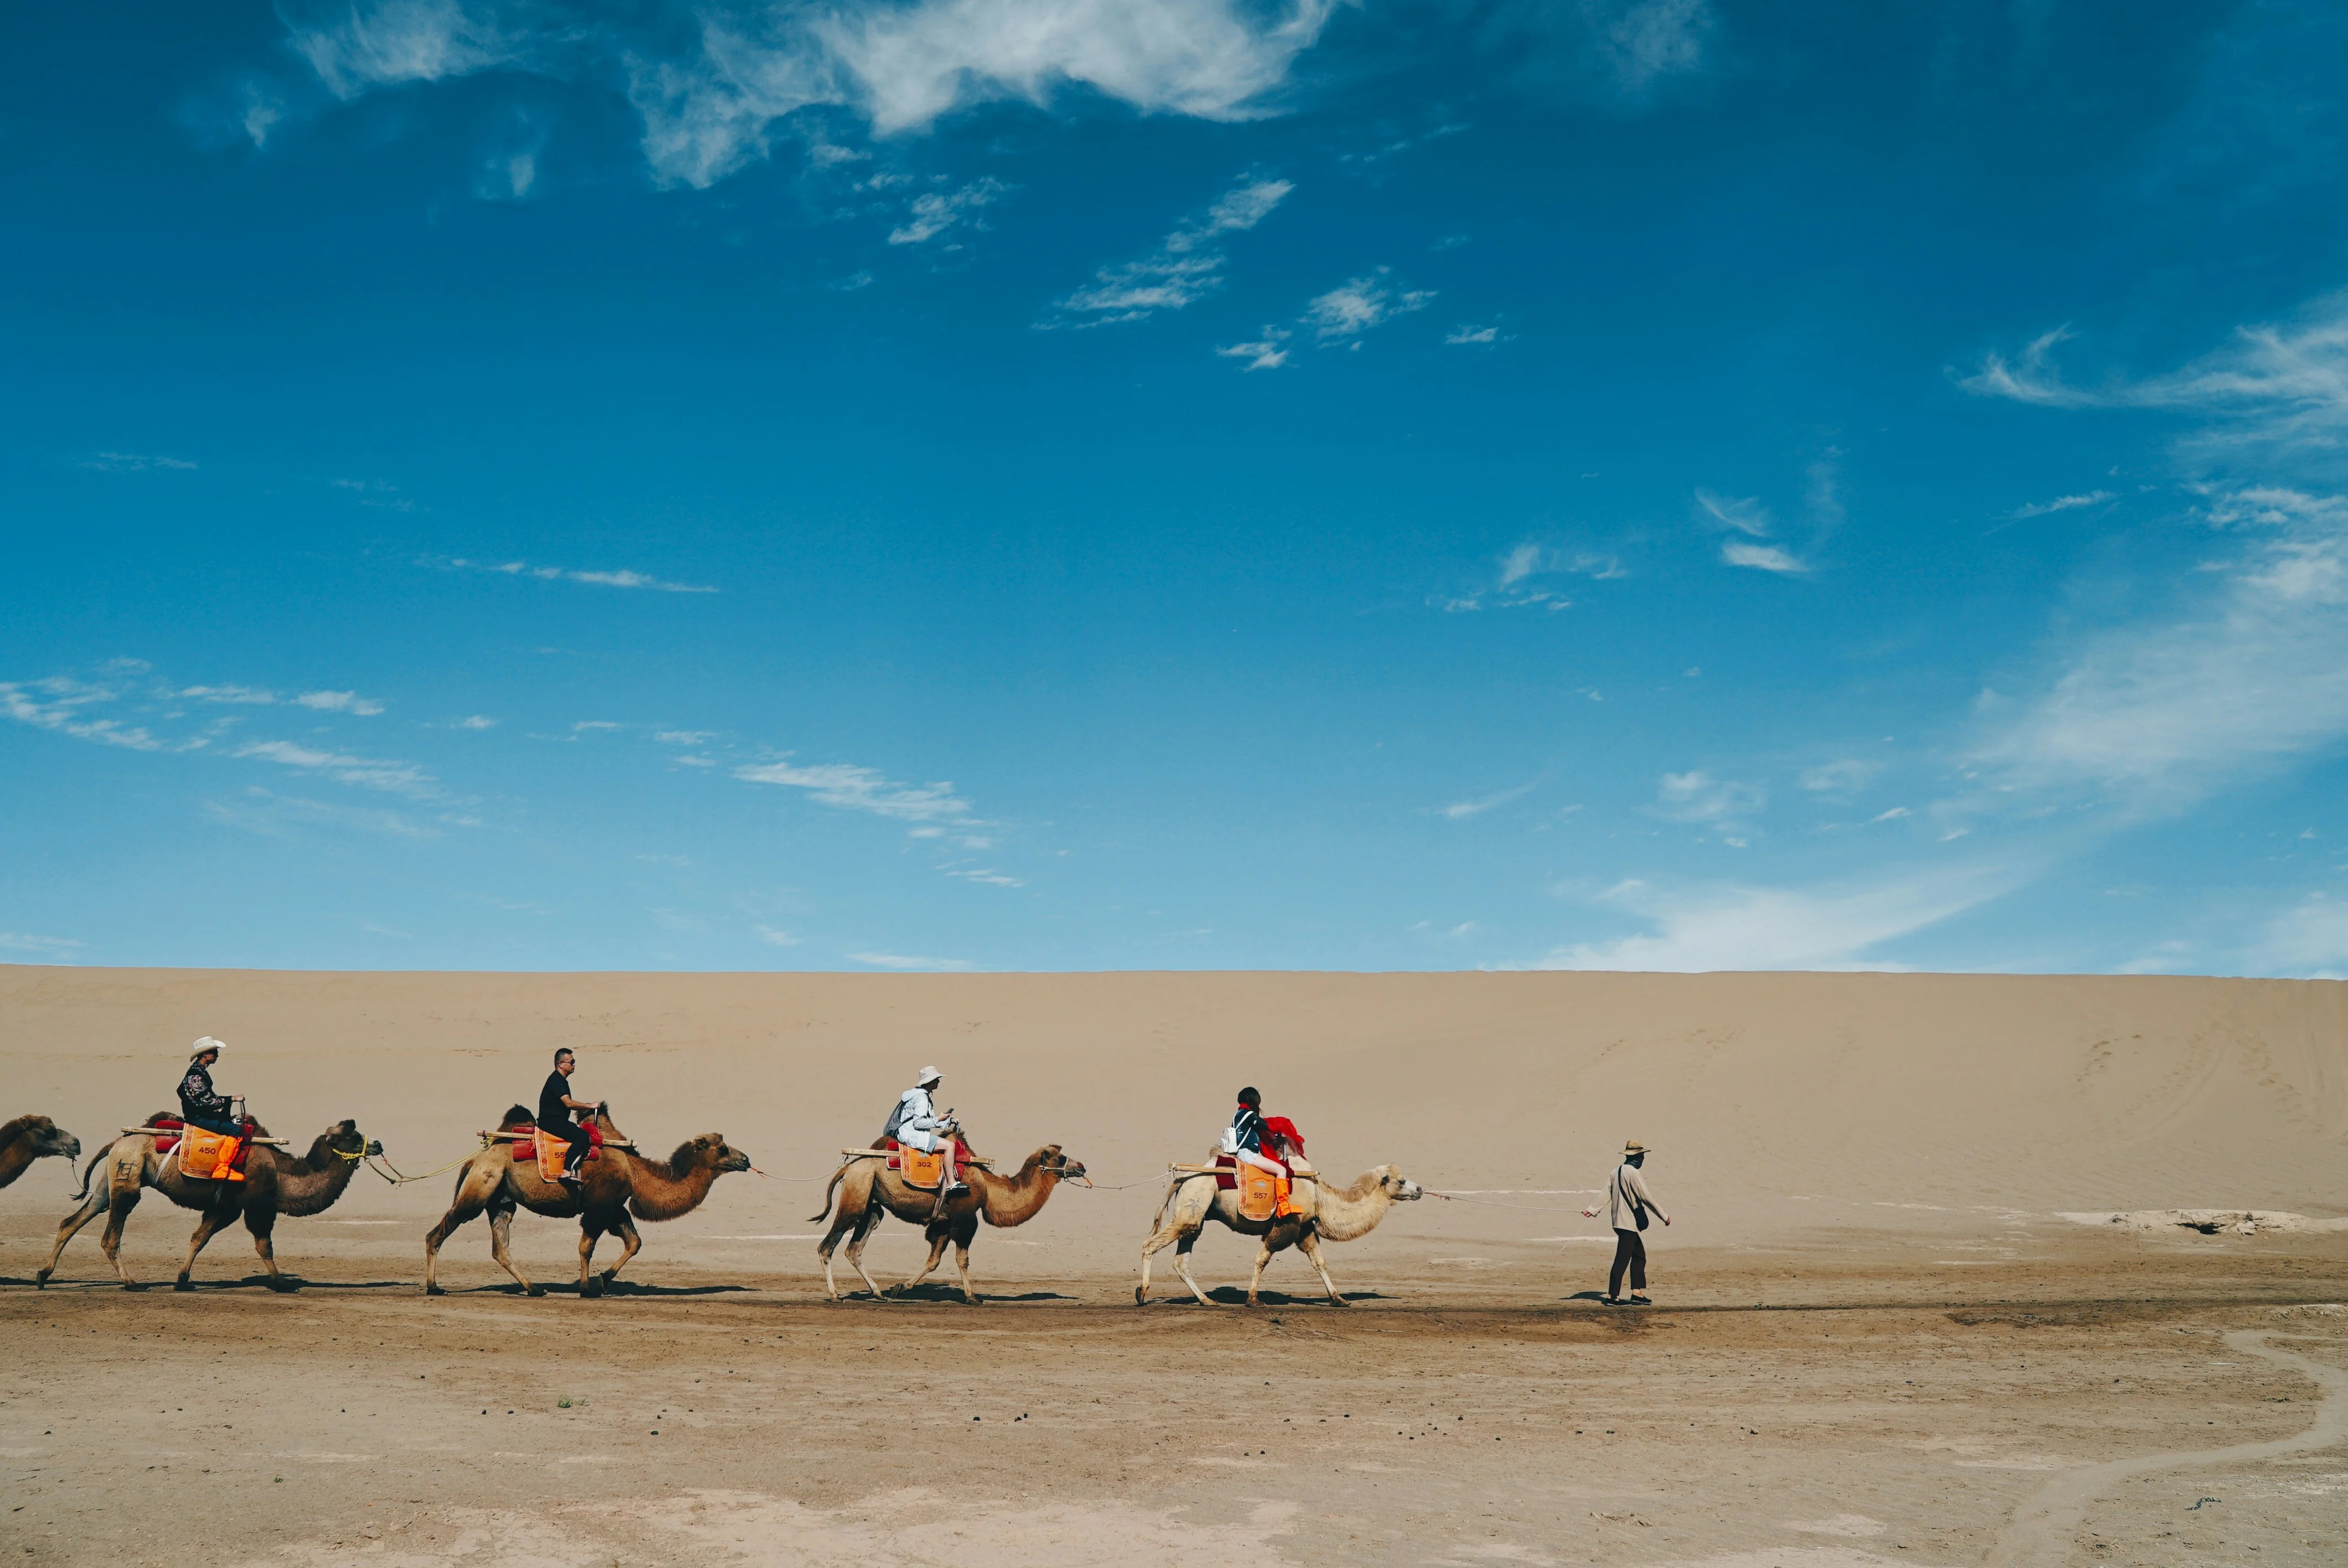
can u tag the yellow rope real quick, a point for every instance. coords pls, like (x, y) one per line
(396, 1179)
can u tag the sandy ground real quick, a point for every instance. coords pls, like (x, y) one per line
(1881, 1340)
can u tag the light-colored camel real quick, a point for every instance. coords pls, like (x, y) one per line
(615, 1184)
(278, 1185)
(868, 1193)
(1330, 1213)
(31, 1138)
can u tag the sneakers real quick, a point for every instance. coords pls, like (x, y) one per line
(572, 1182)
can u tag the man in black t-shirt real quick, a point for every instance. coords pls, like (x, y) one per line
(554, 1108)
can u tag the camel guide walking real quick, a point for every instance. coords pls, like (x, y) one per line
(554, 1108)
(916, 1124)
(202, 1105)
(1629, 1202)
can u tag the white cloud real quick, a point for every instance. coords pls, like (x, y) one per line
(131, 462)
(769, 935)
(1894, 814)
(1748, 927)
(1762, 557)
(1846, 775)
(1642, 43)
(1461, 810)
(1468, 333)
(2157, 715)
(684, 737)
(712, 85)
(1265, 353)
(1746, 515)
(1186, 265)
(2059, 504)
(339, 702)
(1697, 796)
(61, 704)
(369, 773)
(620, 578)
(273, 815)
(2310, 939)
(476, 722)
(905, 961)
(855, 788)
(1356, 305)
(934, 214)
(384, 43)
(54, 949)
(244, 695)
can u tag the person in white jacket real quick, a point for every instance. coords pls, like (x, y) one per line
(1628, 1203)
(917, 1126)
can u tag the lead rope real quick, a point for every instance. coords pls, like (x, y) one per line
(397, 1178)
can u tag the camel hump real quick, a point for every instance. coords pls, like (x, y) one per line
(517, 1116)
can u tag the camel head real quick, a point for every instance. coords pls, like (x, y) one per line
(1398, 1187)
(709, 1152)
(1052, 1162)
(344, 1138)
(47, 1138)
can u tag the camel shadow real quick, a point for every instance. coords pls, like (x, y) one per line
(951, 1295)
(1235, 1295)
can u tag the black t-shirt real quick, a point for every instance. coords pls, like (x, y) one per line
(551, 1109)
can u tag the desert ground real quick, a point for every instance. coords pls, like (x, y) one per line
(1927, 1299)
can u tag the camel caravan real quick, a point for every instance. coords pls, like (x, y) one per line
(568, 1160)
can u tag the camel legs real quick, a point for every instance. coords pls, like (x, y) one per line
(625, 1229)
(938, 1239)
(866, 1223)
(1183, 1241)
(100, 1200)
(1309, 1245)
(120, 1203)
(501, 1250)
(961, 1267)
(591, 1229)
(263, 1223)
(1262, 1261)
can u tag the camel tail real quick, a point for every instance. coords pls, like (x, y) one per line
(91, 1167)
(1173, 1185)
(836, 1177)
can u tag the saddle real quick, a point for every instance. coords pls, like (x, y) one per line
(1262, 1195)
(921, 1172)
(204, 1156)
(550, 1151)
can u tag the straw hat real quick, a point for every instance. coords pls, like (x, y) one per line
(203, 1045)
(929, 1075)
(1633, 1147)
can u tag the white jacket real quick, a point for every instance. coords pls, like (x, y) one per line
(917, 1122)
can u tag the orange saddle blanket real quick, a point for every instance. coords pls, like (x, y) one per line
(210, 1156)
(924, 1172)
(550, 1151)
(1262, 1195)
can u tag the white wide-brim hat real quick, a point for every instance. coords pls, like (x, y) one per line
(203, 1045)
(929, 1075)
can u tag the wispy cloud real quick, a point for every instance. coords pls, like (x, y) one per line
(1458, 811)
(1266, 352)
(339, 702)
(1738, 927)
(369, 773)
(1641, 44)
(2059, 504)
(1747, 517)
(934, 213)
(907, 962)
(254, 695)
(476, 722)
(1359, 304)
(1762, 557)
(1468, 333)
(1186, 267)
(1518, 579)
(54, 949)
(775, 937)
(273, 815)
(1845, 776)
(62, 703)
(1695, 796)
(131, 462)
(855, 788)
(2309, 939)
(619, 579)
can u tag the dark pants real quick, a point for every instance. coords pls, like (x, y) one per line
(220, 1124)
(569, 1132)
(1630, 1252)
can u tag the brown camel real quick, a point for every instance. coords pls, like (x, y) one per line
(617, 1184)
(277, 1185)
(868, 1193)
(31, 1138)
(1332, 1212)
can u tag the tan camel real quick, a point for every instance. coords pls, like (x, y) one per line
(278, 1185)
(617, 1184)
(1330, 1213)
(31, 1138)
(868, 1193)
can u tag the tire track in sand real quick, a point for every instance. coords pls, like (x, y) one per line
(2042, 1530)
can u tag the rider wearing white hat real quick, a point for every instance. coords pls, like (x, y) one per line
(916, 1124)
(200, 1105)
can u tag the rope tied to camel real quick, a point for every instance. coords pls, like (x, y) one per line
(397, 1178)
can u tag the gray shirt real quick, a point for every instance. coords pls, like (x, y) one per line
(1624, 1185)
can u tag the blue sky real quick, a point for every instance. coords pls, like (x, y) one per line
(1055, 484)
